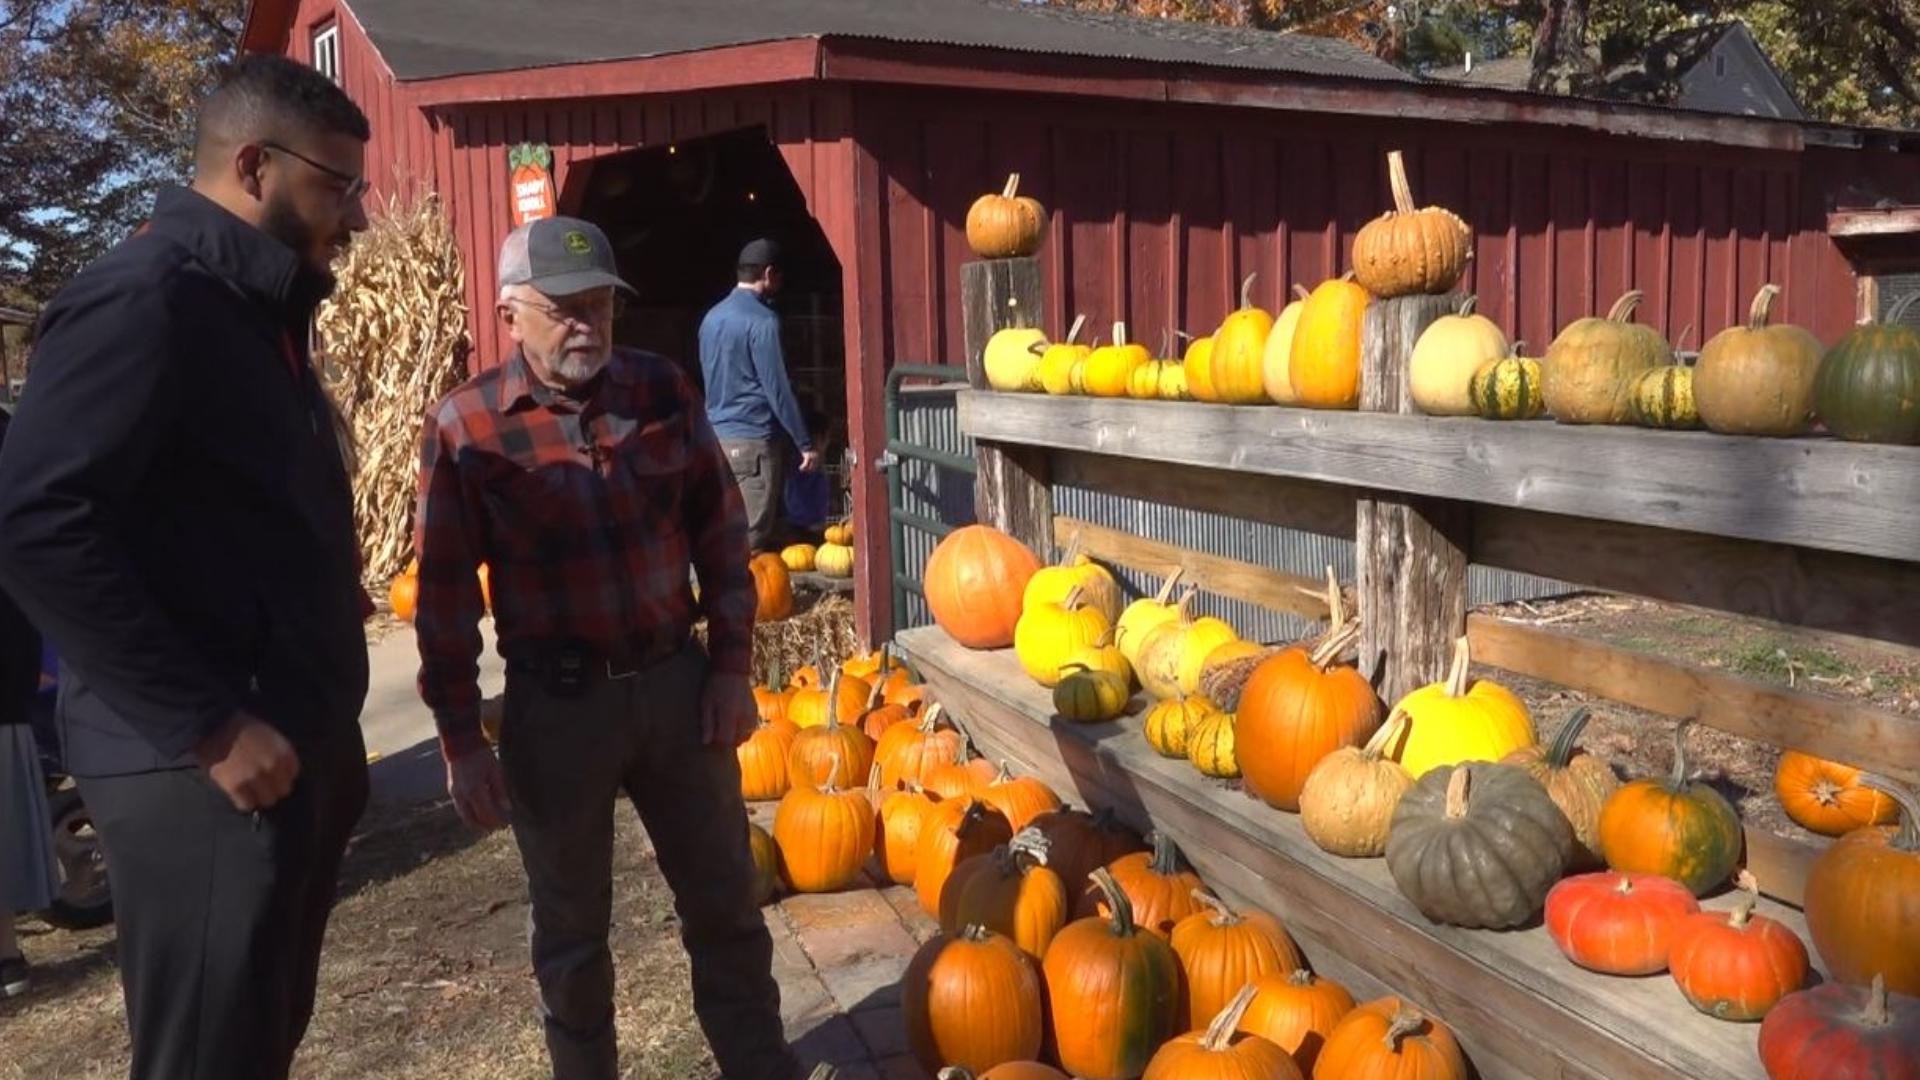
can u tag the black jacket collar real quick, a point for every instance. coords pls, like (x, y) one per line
(264, 269)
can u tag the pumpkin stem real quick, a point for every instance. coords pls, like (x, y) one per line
(1246, 290)
(1678, 781)
(1749, 898)
(1166, 342)
(1908, 836)
(1900, 307)
(1032, 843)
(1457, 672)
(1074, 330)
(974, 932)
(1119, 334)
(833, 699)
(1300, 977)
(930, 719)
(1875, 1014)
(1018, 316)
(1223, 915)
(1376, 746)
(1467, 305)
(1072, 599)
(1006, 772)
(1300, 291)
(1457, 793)
(1119, 907)
(1513, 350)
(1166, 588)
(1623, 308)
(1220, 1033)
(1013, 186)
(1334, 644)
(1762, 307)
(1071, 551)
(832, 786)
(1560, 754)
(776, 674)
(873, 783)
(1397, 179)
(1166, 857)
(1681, 341)
(1348, 276)
(1406, 1021)
(879, 687)
(1336, 605)
(954, 1072)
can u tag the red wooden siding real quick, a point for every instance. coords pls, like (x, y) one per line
(400, 154)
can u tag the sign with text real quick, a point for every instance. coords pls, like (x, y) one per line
(530, 182)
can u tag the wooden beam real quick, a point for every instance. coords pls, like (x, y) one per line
(1841, 730)
(1411, 554)
(1307, 505)
(707, 69)
(1273, 589)
(1892, 221)
(1013, 489)
(1816, 493)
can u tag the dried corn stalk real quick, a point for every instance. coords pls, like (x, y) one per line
(392, 341)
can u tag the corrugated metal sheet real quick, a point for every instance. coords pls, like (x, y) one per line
(928, 418)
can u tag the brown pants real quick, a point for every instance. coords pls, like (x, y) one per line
(566, 760)
(759, 470)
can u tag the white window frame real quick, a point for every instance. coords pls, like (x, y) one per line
(326, 51)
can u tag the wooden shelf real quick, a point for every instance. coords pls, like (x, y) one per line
(1813, 493)
(1520, 1008)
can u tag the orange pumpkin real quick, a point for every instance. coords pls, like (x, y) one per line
(1298, 707)
(1112, 991)
(1387, 1039)
(1827, 797)
(1735, 965)
(974, 581)
(1222, 950)
(954, 831)
(773, 700)
(973, 1000)
(1006, 224)
(403, 595)
(967, 776)
(1296, 1012)
(1010, 891)
(1223, 1052)
(763, 760)
(809, 706)
(1160, 888)
(896, 837)
(1325, 366)
(1411, 249)
(1197, 365)
(816, 750)
(1078, 843)
(907, 752)
(1673, 827)
(772, 588)
(824, 834)
(1021, 798)
(1863, 899)
(1012, 1070)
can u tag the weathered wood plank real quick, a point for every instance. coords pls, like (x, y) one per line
(1011, 490)
(1216, 574)
(1521, 1009)
(1307, 505)
(1841, 730)
(987, 287)
(1822, 590)
(1812, 492)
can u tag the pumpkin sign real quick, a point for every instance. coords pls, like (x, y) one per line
(974, 582)
(1006, 224)
(1457, 720)
(1868, 386)
(1758, 379)
(1683, 830)
(1863, 899)
(1840, 1032)
(1617, 924)
(1589, 371)
(1734, 965)
(1409, 249)
(1478, 845)
(1012, 355)
(1325, 366)
(1447, 355)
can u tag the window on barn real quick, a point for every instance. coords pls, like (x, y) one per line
(326, 51)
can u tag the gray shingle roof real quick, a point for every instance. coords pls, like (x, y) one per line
(423, 39)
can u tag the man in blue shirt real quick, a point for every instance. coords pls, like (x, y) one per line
(749, 400)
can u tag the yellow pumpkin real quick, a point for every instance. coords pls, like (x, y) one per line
(1169, 723)
(1110, 367)
(1174, 653)
(1235, 364)
(1142, 616)
(1049, 633)
(1102, 655)
(1197, 364)
(799, 557)
(1441, 370)
(1050, 585)
(1454, 721)
(1325, 364)
(834, 560)
(1276, 360)
(1012, 355)
(1058, 360)
(841, 533)
(1090, 697)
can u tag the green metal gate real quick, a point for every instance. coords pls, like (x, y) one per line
(901, 450)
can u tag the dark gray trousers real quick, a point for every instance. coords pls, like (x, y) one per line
(566, 760)
(760, 471)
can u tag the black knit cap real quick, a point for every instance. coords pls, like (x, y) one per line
(761, 252)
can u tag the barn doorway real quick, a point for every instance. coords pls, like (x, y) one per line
(677, 216)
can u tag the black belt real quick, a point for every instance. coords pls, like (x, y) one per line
(582, 661)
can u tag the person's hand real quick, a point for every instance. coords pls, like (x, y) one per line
(479, 789)
(727, 712)
(254, 765)
(809, 460)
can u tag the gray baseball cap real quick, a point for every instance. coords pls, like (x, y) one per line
(559, 256)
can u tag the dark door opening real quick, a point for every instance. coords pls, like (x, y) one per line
(678, 215)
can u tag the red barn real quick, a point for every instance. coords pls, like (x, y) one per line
(1174, 159)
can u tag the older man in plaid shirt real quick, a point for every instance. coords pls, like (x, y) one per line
(588, 479)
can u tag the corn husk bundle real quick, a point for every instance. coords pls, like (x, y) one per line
(392, 341)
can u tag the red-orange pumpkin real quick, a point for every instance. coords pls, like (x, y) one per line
(974, 582)
(1618, 924)
(1734, 965)
(1841, 1032)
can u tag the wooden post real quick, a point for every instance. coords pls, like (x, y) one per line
(1412, 554)
(1012, 491)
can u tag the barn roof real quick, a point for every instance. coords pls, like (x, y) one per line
(426, 39)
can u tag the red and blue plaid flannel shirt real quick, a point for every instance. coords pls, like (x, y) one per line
(588, 514)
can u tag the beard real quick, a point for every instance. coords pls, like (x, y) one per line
(282, 222)
(578, 362)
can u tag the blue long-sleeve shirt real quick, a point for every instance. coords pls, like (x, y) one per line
(747, 388)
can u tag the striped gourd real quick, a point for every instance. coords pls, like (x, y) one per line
(1211, 746)
(1507, 389)
(1663, 398)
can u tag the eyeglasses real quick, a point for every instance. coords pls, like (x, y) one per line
(584, 311)
(356, 186)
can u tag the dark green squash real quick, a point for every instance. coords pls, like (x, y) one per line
(1478, 845)
(1868, 388)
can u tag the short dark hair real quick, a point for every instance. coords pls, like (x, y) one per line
(267, 96)
(747, 273)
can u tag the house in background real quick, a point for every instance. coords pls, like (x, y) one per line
(1718, 68)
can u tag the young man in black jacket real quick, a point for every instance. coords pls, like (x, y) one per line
(175, 513)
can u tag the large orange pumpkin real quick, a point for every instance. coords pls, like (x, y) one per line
(1387, 1039)
(1112, 991)
(772, 588)
(1410, 249)
(972, 1000)
(1010, 891)
(907, 752)
(809, 708)
(824, 835)
(1863, 899)
(1160, 889)
(774, 699)
(1222, 950)
(816, 750)
(1297, 708)
(1673, 827)
(1827, 797)
(1325, 367)
(954, 831)
(967, 776)
(974, 581)
(1021, 798)
(1296, 1012)
(1234, 364)
(896, 836)
(763, 760)
(1223, 1052)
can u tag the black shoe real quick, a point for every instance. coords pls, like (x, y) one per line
(16, 976)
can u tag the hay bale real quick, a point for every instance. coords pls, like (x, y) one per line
(822, 630)
(392, 341)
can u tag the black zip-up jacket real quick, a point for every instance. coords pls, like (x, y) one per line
(175, 515)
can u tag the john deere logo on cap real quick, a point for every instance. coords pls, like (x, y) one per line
(578, 243)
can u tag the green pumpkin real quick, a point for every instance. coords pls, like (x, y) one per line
(1868, 388)
(1507, 389)
(1478, 845)
(1663, 398)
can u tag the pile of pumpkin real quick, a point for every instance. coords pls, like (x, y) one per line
(1479, 824)
(833, 557)
(1755, 379)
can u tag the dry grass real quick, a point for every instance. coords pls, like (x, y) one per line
(393, 341)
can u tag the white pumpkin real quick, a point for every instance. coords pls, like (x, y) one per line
(1279, 352)
(1447, 355)
(1012, 356)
